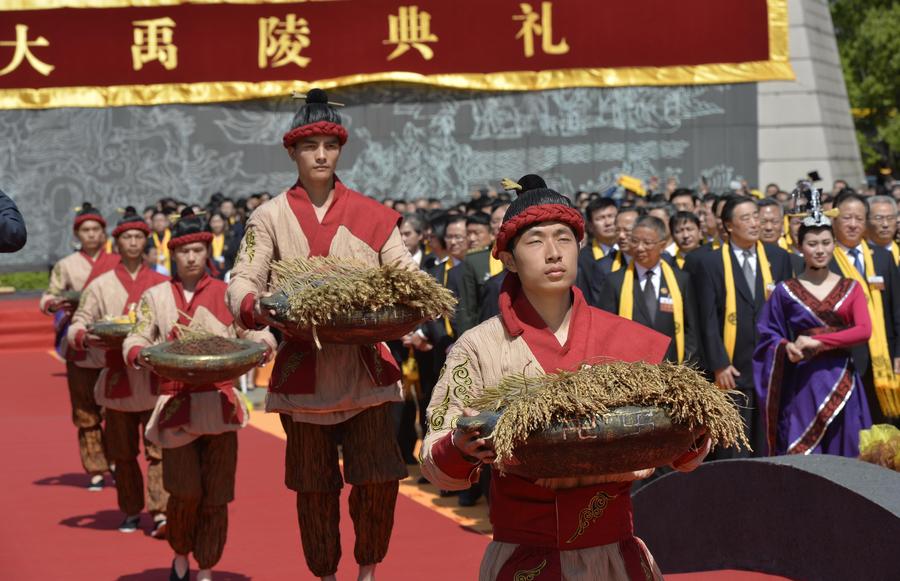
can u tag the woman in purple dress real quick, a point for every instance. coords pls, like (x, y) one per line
(811, 394)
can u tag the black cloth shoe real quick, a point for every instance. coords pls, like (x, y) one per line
(130, 524)
(470, 497)
(173, 575)
(159, 529)
(96, 483)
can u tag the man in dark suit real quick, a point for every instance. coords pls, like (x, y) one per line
(850, 230)
(617, 259)
(601, 224)
(746, 255)
(12, 225)
(479, 265)
(652, 299)
(412, 231)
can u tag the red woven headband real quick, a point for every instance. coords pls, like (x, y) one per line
(79, 220)
(131, 226)
(205, 237)
(537, 215)
(318, 128)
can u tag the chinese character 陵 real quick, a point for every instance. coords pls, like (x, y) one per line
(153, 42)
(281, 42)
(411, 27)
(23, 52)
(534, 25)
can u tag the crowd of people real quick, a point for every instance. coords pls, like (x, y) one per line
(789, 301)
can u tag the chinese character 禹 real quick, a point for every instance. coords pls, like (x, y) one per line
(23, 52)
(534, 25)
(281, 42)
(410, 28)
(153, 42)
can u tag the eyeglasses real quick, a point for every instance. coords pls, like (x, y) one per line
(454, 237)
(883, 219)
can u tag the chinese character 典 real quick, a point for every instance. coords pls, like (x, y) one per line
(410, 28)
(153, 42)
(280, 43)
(23, 52)
(542, 26)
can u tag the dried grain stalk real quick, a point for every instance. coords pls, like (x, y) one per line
(535, 403)
(320, 289)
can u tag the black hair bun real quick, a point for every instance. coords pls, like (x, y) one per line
(188, 224)
(532, 182)
(317, 96)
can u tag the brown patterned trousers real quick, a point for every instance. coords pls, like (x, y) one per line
(124, 431)
(87, 417)
(372, 464)
(200, 480)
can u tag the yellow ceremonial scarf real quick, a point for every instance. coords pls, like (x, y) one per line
(162, 249)
(729, 332)
(218, 245)
(783, 244)
(679, 259)
(895, 252)
(882, 364)
(597, 250)
(617, 261)
(626, 302)
(447, 266)
(495, 265)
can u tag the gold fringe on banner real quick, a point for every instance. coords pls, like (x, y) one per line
(778, 67)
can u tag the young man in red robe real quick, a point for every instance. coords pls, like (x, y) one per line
(196, 425)
(544, 326)
(72, 273)
(126, 394)
(339, 394)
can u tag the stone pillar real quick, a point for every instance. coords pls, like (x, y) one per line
(806, 124)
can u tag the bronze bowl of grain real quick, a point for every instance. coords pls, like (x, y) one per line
(624, 439)
(353, 327)
(112, 333)
(70, 297)
(203, 361)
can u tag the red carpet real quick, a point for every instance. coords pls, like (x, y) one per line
(52, 528)
(23, 326)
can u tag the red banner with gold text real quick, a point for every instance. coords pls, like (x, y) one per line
(138, 52)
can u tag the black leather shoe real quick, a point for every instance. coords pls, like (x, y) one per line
(173, 575)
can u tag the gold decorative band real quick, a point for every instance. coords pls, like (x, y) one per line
(121, 95)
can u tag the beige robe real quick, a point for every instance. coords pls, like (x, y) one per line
(482, 357)
(106, 297)
(157, 315)
(344, 386)
(70, 274)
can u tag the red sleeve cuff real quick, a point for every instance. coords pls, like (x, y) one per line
(450, 460)
(133, 355)
(248, 305)
(79, 340)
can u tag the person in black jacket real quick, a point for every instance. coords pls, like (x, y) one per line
(729, 337)
(849, 231)
(12, 226)
(601, 224)
(653, 301)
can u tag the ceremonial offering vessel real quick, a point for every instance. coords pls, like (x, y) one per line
(342, 300)
(112, 332)
(622, 440)
(353, 327)
(203, 361)
(70, 296)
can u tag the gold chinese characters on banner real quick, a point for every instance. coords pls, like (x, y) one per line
(100, 53)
